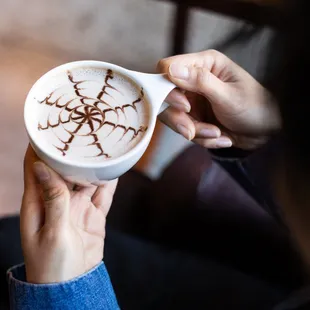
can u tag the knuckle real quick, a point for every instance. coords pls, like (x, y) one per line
(203, 78)
(214, 58)
(53, 193)
(214, 53)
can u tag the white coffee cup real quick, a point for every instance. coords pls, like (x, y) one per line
(156, 87)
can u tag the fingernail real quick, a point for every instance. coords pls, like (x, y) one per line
(185, 132)
(223, 142)
(40, 171)
(179, 71)
(208, 133)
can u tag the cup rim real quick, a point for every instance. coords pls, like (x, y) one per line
(100, 164)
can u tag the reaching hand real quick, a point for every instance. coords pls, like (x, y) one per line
(226, 105)
(62, 227)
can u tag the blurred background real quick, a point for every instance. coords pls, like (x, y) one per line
(36, 36)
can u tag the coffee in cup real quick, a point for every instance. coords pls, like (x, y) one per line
(91, 114)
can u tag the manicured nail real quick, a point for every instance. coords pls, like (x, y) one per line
(179, 71)
(223, 142)
(208, 133)
(40, 171)
(185, 132)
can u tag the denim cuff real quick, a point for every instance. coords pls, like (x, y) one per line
(92, 290)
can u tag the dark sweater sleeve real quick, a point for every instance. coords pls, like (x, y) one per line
(255, 170)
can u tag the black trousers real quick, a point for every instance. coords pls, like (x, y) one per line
(149, 276)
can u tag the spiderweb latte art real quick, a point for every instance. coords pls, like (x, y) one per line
(92, 114)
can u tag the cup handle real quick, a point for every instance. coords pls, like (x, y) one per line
(157, 86)
(163, 107)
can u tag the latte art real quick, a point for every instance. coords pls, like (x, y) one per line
(92, 114)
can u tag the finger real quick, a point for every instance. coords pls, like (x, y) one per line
(202, 73)
(104, 196)
(163, 64)
(32, 213)
(178, 100)
(221, 142)
(29, 177)
(219, 64)
(56, 195)
(206, 131)
(178, 121)
(198, 79)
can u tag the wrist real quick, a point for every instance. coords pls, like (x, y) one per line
(53, 270)
(49, 276)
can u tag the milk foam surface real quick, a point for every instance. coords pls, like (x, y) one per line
(90, 115)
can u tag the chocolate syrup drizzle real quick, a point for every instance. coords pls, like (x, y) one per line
(90, 114)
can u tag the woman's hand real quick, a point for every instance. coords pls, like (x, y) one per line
(226, 105)
(62, 227)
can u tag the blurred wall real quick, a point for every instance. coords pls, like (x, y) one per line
(124, 30)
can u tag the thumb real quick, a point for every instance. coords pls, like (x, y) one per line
(56, 196)
(199, 80)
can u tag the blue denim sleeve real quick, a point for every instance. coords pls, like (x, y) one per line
(92, 290)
